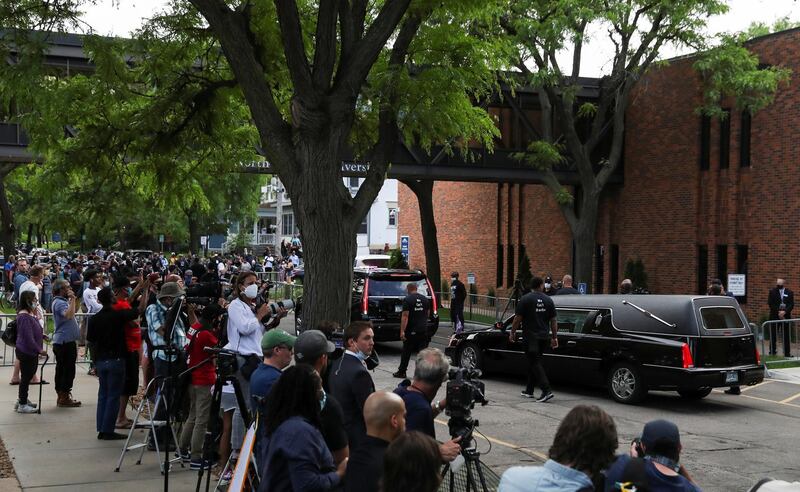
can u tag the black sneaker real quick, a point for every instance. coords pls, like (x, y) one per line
(525, 394)
(545, 397)
(111, 436)
(733, 391)
(398, 374)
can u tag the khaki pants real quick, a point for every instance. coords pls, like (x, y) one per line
(194, 429)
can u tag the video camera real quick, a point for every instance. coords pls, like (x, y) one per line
(203, 293)
(464, 389)
(274, 306)
(227, 363)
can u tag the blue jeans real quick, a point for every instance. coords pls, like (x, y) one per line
(112, 377)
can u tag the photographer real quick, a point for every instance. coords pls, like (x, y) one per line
(430, 373)
(65, 340)
(156, 315)
(654, 461)
(245, 331)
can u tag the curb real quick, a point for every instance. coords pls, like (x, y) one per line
(779, 375)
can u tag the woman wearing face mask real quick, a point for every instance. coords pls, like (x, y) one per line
(295, 455)
(28, 347)
(244, 336)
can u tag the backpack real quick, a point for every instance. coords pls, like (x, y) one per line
(9, 336)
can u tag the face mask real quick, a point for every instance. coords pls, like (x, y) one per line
(323, 400)
(106, 283)
(361, 356)
(251, 291)
(453, 279)
(547, 286)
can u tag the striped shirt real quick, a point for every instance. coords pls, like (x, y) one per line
(156, 315)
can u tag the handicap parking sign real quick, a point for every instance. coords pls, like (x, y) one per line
(582, 288)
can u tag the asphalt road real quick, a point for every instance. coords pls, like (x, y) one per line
(729, 442)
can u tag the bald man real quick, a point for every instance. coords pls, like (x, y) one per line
(385, 416)
(567, 287)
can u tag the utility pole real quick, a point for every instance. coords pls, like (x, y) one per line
(278, 186)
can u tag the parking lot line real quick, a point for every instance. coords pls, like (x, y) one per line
(748, 388)
(791, 398)
(528, 451)
(783, 402)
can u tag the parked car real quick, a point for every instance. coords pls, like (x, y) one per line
(378, 295)
(631, 344)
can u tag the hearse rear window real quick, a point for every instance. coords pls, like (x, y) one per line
(721, 318)
(396, 287)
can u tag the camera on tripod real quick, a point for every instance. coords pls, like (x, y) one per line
(464, 390)
(203, 293)
(226, 361)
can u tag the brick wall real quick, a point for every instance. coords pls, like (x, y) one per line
(667, 206)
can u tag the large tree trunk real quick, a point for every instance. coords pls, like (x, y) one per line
(328, 234)
(8, 231)
(194, 236)
(423, 190)
(584, 234)
(29, 239)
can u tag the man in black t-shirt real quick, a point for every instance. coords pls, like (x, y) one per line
(413, 326)
(536, 312)
(458, 294)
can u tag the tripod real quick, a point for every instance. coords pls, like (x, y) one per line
(226, 372)
(471, 476)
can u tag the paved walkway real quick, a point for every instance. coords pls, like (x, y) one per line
(59, 451)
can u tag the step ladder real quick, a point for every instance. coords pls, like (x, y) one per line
(139, 422)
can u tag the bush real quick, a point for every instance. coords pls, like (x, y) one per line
(397, 260)
(492, 296)
(473, 293)
(445, 290)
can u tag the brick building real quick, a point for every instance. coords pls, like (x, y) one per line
(701, 198)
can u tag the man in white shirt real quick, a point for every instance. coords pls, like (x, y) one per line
(245, 331)
(94, 279)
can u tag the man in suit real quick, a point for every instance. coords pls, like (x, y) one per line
(781, 302)
(349, 380)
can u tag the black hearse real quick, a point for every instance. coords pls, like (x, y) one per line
(631, 344)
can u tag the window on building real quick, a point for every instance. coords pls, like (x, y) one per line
(392, 217)
(500, 264)
(599, 270)
(702, 268)
(742, 251)
(287, 226)
(362, 229)
(744, 139)
(722, 262)
(705, 142)
(510, 266)
(613, 270)
(725, 139)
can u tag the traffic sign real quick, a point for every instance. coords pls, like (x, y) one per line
(404, 246)
(160, 238)
(582, 288)
(56, 236)
(470, 278)
(203, 240)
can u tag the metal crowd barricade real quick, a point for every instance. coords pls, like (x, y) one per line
(780, 329)
(481, 308)
(268, 276)
(9, 357)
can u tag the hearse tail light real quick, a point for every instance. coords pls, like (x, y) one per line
(433, 297)
(758, 357)
(687, 356)
(365, 299)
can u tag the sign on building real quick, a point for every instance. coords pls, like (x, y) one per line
(470, 278)
(582, 288)
(737, 284)
(404, 247)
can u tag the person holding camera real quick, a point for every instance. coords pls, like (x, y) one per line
(158, 331)
(245, 331)
(536, 314)
(430, 372)
(654, 462)
(65, 341)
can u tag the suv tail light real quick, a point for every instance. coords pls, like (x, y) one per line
(687, 356)
(365, 298)
(433, 297)
(758, 357)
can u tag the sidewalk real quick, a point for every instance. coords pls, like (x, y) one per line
(59, 451)
(790, 374)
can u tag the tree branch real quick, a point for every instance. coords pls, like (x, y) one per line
(325, 46)
(293, 48)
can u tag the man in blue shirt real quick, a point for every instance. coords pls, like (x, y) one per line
(65, 339)
(21, 276)
(430, 372)
(277, 346)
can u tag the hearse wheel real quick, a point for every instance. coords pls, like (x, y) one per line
(695, 394)
(625, 383)
(470, 356)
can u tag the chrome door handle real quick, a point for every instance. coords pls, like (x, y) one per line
(571, 342)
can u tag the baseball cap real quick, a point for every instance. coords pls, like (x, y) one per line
(275, 337)
(660, 430)
(311, 344)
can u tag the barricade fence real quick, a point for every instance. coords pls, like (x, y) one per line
(9, 355)
(779, 337)
(480, 308)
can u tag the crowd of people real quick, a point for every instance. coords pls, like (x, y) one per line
(320, 422)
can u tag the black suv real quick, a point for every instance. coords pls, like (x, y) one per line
(378, 295)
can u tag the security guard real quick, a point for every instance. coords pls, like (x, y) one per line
(458, 294)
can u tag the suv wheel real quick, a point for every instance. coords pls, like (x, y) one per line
(697, 394)
(625, 383)
(470, 356)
